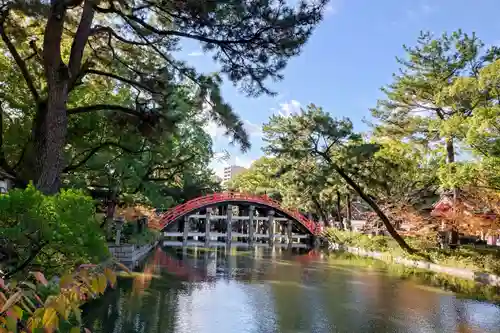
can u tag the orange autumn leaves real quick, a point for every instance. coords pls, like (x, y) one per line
(23, 310)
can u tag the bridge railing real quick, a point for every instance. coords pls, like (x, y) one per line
(174, 213)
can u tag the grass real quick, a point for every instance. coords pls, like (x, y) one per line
(479, 258)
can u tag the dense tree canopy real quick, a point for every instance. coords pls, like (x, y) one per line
(444, 101)
(436, 95)
(313, 136)
(71, 70)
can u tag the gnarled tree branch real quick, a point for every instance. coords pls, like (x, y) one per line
(106, 107)
(94, 151)
(120, 78)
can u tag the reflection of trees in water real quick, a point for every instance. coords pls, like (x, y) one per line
(287, 294)
(292, 313)
(122, 310)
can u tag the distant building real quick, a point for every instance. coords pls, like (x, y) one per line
(231, 172)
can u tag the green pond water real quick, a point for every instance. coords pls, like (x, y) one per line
(263, 290)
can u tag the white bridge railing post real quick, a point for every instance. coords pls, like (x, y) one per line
(251, 229)
(229, 218)
(271, 229)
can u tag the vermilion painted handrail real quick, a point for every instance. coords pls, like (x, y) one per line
(178, 211)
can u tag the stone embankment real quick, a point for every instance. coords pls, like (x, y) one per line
(130, 254)
(481, 277)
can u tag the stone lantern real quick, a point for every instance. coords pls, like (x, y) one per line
(119, 225)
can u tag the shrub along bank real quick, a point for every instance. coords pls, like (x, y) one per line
(476, 258)
(51, 234)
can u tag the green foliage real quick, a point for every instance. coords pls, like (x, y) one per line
(480, 259)
(314, 137)
(148, 236)
(130, 235)
(116, 105)
(258, 179)
(51, 233)
(439, 100)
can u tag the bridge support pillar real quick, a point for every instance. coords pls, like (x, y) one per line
(271, 229)
(289, 229)
(185, 234)
(207, 226)
(229, 221)
(251, 229)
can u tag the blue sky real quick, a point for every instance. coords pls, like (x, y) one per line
(349, 57)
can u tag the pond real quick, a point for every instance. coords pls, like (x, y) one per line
(263, 290)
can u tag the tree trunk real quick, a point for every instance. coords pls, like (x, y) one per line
(110, 211)
(450, 151)
(450, 156)
(339, 215)
(401, 242)
(349, 211)
(320, 211)
(50, 138)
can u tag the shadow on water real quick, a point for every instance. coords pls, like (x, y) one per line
(263, 290)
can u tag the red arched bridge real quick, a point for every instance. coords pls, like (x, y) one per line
(217, 200)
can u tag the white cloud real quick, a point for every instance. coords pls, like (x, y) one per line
(195, 54)
(218, 167)
(253, 129)
(243, 161)
(423, 10)
(213, 129)
(288, 109)
(218, 164)
(216, 131)
(332, 7)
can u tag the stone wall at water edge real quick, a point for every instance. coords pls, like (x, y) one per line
(129, 253)
(481, 277)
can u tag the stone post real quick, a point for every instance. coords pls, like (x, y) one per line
(186, 230)
(207, 226)
(119, 225)
(251, 229)
(229, 221)
(271, 231)
(289, 229)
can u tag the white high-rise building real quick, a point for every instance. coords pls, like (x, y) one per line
(231, 171)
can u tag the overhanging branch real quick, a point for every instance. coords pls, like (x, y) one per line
(120, 78)
(199, 38)
(94, 151)
(108, 30)
(106, 107)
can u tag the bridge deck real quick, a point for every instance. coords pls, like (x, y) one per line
(233, 235)
(237, 218)
(233, 244)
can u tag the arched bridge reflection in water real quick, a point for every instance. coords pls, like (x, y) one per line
(275, 290)
(185, 264)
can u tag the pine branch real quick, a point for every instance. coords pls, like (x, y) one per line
(95, 150)
(106, 107)
(122, 79)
